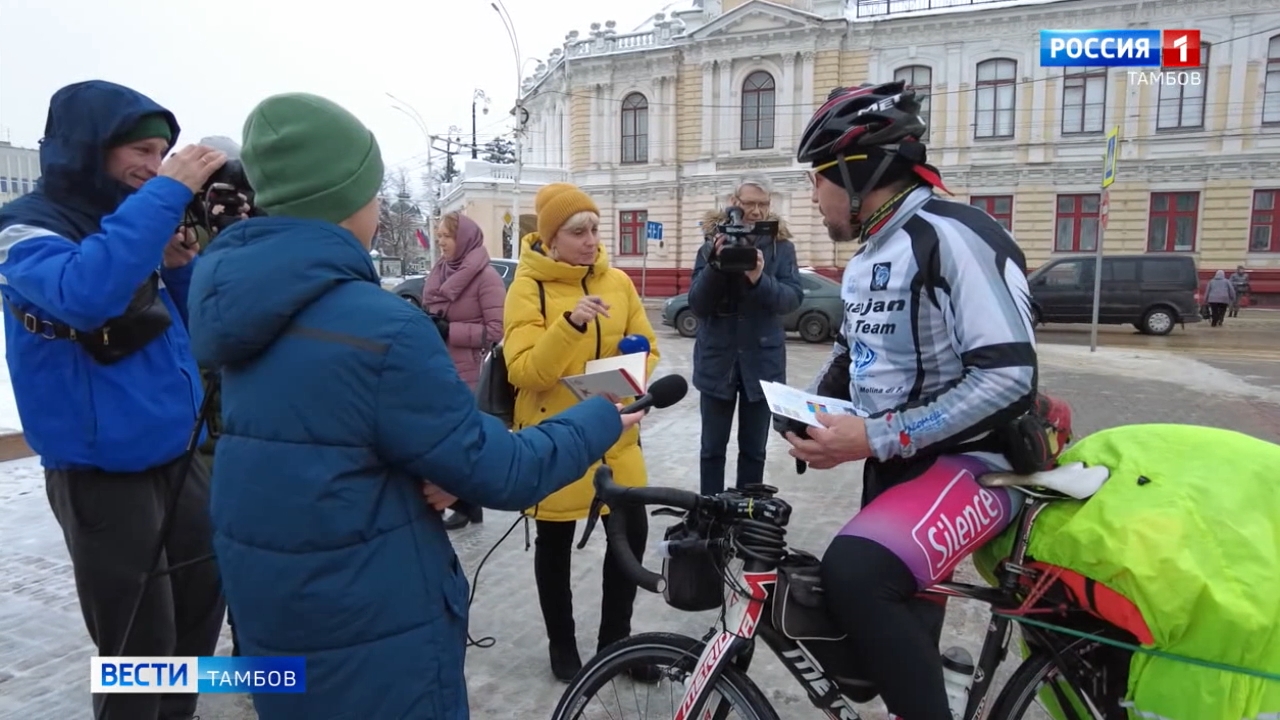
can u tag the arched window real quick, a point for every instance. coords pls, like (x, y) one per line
(635, 129)
(920, 79)
(1271, 91)
(996, 98)
(1084, 100)
(758, 92)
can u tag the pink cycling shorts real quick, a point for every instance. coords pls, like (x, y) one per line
(934, 521)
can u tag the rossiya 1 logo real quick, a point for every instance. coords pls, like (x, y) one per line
(1176, 55)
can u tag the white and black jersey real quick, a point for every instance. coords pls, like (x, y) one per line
(936, 348)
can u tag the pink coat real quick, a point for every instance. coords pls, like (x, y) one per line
(475, 313)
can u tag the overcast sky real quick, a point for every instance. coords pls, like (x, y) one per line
(211, 62)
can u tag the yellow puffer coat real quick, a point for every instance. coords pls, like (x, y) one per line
(539, 352)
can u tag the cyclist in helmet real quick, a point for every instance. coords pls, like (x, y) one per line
(936, 350)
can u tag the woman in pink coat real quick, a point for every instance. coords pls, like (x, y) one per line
(464, 295)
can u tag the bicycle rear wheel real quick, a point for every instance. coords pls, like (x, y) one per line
(604, 688)
(1038, 689)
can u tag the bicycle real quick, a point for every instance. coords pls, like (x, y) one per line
(776, 596)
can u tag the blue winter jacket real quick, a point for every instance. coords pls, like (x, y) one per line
(73, 252)
(740, 337)
(338, 400)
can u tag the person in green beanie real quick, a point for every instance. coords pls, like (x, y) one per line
(346, 433)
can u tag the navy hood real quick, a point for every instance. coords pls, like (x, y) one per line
(83, 118)
(258, 275)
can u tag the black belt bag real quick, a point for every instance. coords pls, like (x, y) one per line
(146, 319)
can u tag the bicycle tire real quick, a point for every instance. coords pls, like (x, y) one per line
(664, 649)
(1016, 696)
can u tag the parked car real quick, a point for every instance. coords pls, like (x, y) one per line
(411, 288)
(1153, 292)
(816, 320)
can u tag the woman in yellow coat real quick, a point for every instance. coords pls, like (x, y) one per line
(565, 307)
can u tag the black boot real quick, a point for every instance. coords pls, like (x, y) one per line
(461, 514)
(455, 520)
(552, 551)
(565, 661)
(619, 595)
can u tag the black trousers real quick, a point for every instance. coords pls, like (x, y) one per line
(111, 523)
(1217, 311)
(553, 550)
(754, 421)
(205, 453)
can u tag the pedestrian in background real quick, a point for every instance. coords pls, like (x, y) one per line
(1240, 281)
(464, 296)
(740, 338)
(96, 272)
(340, 400)
(1219, 293)
(565, 307)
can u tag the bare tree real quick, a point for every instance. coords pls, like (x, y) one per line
(400, 218)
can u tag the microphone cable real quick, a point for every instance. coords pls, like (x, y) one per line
(488, 641)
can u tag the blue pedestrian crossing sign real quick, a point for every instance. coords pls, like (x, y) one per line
(1109, 160)
(653, 230)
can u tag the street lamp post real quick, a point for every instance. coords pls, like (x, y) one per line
(407, 109)
(476, 97)
(521, 117)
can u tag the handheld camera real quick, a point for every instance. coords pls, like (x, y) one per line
(738, 252)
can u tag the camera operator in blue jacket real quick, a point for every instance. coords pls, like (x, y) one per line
(95, 277)
(739, 306)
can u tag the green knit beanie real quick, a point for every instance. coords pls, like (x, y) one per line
(155, 125)
(307, 157)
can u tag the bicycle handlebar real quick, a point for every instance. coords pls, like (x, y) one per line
(622, 501)
(759, 508)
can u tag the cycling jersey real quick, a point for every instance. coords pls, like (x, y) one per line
(936, 347)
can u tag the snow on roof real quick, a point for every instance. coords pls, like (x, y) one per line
(674, 7)
(876, 10)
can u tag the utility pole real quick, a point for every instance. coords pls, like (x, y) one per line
(522, 116)
(433, 197)
(478, 95)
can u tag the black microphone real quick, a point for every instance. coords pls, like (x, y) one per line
(664, 392)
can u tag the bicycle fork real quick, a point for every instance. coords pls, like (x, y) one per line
(727, 646)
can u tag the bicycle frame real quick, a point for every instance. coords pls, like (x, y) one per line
(747, 618)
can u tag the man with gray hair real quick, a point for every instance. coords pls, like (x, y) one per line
(740, 338)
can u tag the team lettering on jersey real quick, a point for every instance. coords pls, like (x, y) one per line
(865, 316)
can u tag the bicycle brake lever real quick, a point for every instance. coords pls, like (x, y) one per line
(593, 516)
(801, 466)
(667, 512)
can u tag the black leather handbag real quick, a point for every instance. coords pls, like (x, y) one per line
(494, 394)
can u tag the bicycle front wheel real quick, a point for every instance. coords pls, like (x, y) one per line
(645, 676)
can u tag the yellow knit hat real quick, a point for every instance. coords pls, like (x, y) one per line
(556, 203)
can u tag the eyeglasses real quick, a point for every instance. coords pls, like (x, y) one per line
(754, 205)
(813, 173)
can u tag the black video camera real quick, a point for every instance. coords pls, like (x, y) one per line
(217, 206)
(738, 252)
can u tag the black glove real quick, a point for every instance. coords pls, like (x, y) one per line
(783, 425)
(442, 324)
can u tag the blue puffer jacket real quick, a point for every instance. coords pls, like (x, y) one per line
(338, 400)
(73, 252)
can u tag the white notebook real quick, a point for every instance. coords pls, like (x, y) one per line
(622, 376)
